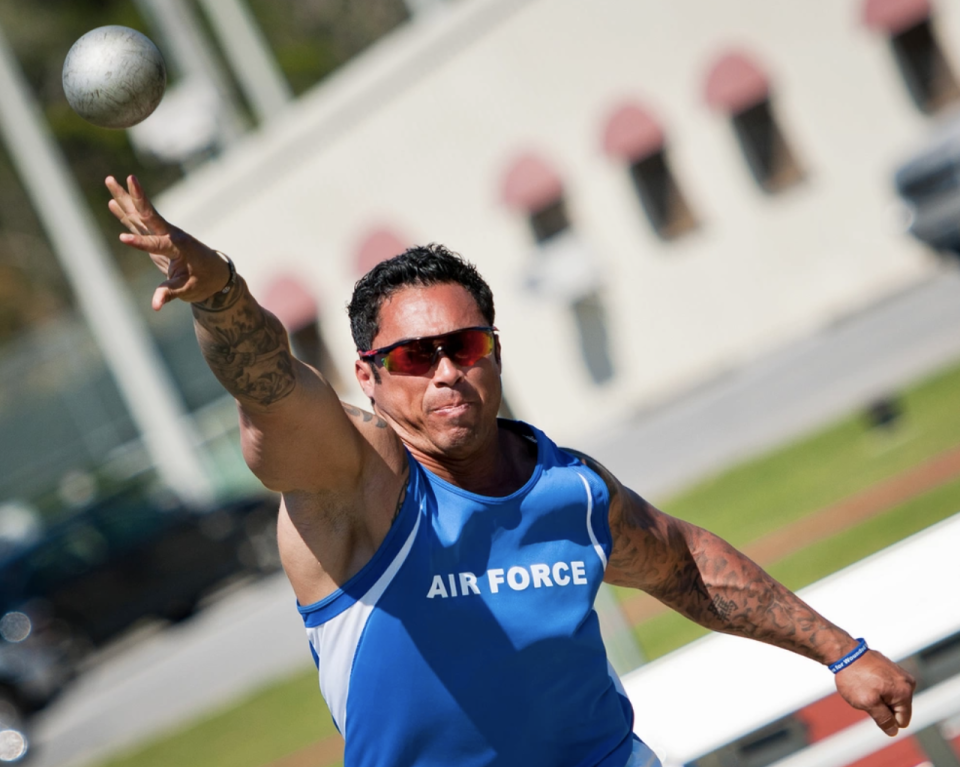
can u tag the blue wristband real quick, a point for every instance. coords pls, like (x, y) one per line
(850, 657)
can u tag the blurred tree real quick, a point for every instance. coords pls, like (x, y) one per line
(310, 39)
(32, 286)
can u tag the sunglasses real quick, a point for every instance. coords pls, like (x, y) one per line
(416, 356)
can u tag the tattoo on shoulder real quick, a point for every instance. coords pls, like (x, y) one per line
(594, 465)
(364, 415)
(636, 511)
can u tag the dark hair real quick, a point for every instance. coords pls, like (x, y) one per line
(421, 265)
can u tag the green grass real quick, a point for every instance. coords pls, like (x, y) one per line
(761, 495)
(668, 631)
(274, 721)
(741, 504)
(839, 551)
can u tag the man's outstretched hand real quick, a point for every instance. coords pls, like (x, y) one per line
(194, 272)
(879, 686)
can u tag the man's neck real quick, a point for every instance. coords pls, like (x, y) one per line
(499, 468)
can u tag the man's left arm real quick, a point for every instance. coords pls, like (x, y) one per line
(704, 578)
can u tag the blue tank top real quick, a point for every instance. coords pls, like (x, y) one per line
(470, 637)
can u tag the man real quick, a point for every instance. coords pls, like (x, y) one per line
(445, 562)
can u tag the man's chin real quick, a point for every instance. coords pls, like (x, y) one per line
(451, 432)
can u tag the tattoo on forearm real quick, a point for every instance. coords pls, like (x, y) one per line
(703, 577)
(707, 580)
(724, 609)
(246, 347)
(366, 417)
(724, 590)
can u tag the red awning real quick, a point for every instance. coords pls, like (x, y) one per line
(530, 184)
(290, 302)
(379, 245)
(735, 83)
(894, 16)
(632, 133)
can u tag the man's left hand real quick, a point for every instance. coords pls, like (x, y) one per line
(879, 686)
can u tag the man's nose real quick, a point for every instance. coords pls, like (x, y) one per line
(447, 369)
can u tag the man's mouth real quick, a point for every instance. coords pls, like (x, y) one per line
(454, 408)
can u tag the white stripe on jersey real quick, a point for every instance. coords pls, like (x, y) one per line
(335, 642)
(593, 538)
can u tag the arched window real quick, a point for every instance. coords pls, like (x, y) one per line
(561, 268)
(922, 63)
(532, 187)
(633, 136)
(738, 87)
(289, 301)
(377, 245)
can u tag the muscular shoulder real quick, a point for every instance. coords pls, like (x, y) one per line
(325, 539)
(311, 441)
(377, 433)
(613, 485)
(637, 529)
(327, 534)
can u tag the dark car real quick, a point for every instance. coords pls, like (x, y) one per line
(130, 556)
(929, 185)
(34, 667)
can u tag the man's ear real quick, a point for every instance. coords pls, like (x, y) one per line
(366, 377)
(496, 353)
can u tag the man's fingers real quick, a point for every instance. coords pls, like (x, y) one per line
(114, 207)
(168, 290)
(127, 210)
(903, 713)
(131, 204)
(143, 206)
(149, 243)
(132, 222)
(117, 191)
(151, 234)
(893, 711)
(161, 296)
(136, 191)
(885, 719)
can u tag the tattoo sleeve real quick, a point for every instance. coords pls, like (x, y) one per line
(704, 578)
(718, 587)
(245, 346)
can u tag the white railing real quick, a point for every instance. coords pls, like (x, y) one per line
(857, 741)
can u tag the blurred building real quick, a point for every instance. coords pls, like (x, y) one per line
(656, 192)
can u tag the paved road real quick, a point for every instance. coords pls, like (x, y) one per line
(247, 638)
(790, 392)
(254, 634)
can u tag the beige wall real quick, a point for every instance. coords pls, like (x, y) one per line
(417, 135)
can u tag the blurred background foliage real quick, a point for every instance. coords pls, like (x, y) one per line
(310, 39)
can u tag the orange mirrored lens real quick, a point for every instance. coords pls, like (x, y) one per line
(417, 357)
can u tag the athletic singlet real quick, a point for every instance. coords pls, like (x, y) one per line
(470, 637)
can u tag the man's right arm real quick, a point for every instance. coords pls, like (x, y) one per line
(296, 435)
(295, 432)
